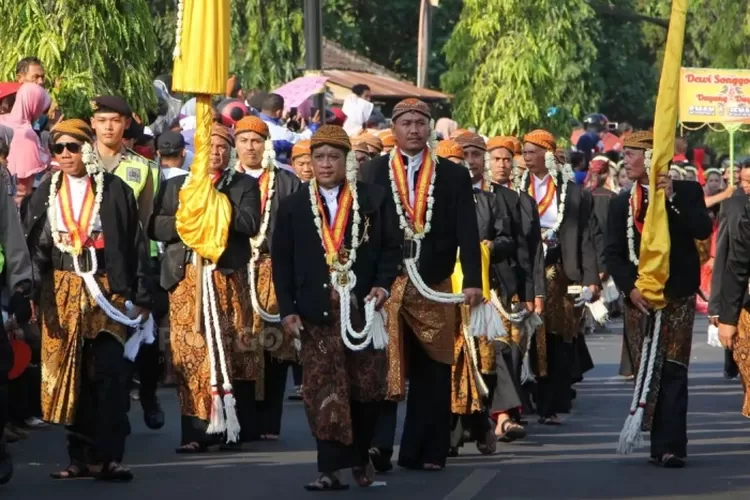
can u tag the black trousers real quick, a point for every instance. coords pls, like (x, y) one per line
(297, 374)
(247, 410)
(6, 363)
(148, 364)
(272, 407)
(427, 426)
(554, 390)
(669, 430)
(474, 427)
(333, 455)
(385, 428)
(101, 423)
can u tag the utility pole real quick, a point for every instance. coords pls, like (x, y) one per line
(313, 14)
(423, 40)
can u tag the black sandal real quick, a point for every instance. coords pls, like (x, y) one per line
(510, 431)
(115, 473)
(191, 448)
(364, 476)
(326, 482)
(72, 471)
(669, 461)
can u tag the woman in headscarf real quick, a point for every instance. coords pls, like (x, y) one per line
(27, 157)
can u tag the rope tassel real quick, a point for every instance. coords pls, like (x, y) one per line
(631, 436)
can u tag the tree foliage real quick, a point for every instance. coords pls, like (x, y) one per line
(267, 42)
(510, 61)
(88, 48)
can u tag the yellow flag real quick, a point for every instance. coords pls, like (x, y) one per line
(653, 270)
(457, 278)
(200, 67)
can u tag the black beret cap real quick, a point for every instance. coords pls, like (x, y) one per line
(111, 104)
(170, 143)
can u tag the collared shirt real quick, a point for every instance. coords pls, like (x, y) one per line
(549, 218)
(78, 186)
(279, 132)
(252, 172)
(172, 172)
(331, 198)
(412, 167)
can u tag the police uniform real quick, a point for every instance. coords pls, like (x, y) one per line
(142, 176)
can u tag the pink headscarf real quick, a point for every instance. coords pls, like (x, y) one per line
(26, 157)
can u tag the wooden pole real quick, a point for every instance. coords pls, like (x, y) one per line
(198, 293)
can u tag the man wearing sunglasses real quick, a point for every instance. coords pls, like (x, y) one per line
(111, 119)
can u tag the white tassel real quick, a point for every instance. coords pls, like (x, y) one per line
(485, 321)
(610, 293)
(631, 436)
(216, 424)
(713, 336)
(379, 332)
(598, 311)
(230, 408)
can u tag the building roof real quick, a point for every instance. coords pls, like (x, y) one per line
(347, 68)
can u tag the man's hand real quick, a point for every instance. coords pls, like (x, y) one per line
(530, 306)
(316, 117)
(140, 312)
(727, 334)
(603, 277)
(539, 305)
(473, 296)
(594, 292)
(379, 295)
(638, 301)
(489, 244)
(665, 182)
(714, 321)
(292, 325)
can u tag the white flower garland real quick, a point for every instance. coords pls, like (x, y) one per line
(631, 222)
(343, 279)
(564, 177)
(178, 30)
(484, 319)
(269, 164)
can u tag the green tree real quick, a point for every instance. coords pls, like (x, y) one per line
(88, 48)
(267, 42)
(510, 61)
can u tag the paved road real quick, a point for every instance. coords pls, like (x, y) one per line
(575, 461)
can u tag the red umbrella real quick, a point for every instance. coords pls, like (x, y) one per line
(8, 88)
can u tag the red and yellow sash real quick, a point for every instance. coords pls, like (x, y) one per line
(416, 214)
(636, 203)
(77, 229)
(263, 181)
(545, 203)
(333, 234)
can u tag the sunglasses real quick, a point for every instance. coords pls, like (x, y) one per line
(59, 147)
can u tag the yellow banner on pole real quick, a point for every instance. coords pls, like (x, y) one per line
(714, 95)
(653, 269)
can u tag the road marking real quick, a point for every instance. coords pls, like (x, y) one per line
(472, 485)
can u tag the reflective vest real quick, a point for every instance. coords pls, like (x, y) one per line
(156, 176)
(133, 169)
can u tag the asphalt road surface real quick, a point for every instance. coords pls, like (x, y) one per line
(576, 460)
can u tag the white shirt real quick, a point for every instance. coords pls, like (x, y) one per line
(281, 133)
(172, 172)
(478, 185)
(331, 197)
(252, 172)
(77, 192)
(412, 165)
(549, 218)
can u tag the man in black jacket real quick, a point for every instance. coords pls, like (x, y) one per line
(256, 159)
(336, 242)
(436, 214)
(193, 360)
(570, 259)
(665, 414)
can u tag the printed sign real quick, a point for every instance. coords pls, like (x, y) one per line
(714, 95)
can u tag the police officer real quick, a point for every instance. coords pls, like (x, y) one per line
(112, 117)
(15, 269)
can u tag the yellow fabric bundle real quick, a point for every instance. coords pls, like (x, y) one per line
(457, 278)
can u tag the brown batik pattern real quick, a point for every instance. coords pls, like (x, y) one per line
(275, 342)
(189, 349)
(432, 323)
(69, 315)
(465, 395)
(741, 354)
(675, 342)
(334, 375)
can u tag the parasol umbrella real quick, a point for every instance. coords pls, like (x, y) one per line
(298, 90)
